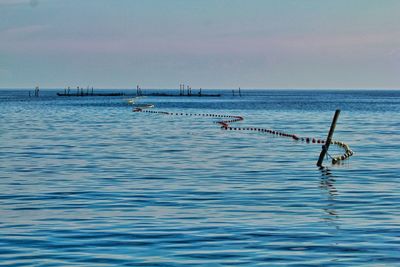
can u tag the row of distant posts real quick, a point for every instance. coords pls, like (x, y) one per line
(188, 90)
(239, 92)
(35, 92)
(80, 91)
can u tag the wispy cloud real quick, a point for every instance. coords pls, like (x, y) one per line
(33, 38)
(32, 3)
(21, 31)
(13, 2)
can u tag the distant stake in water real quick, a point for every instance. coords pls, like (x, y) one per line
(325, 147)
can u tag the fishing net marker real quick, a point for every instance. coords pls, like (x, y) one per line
(226, 120)
(328, 141)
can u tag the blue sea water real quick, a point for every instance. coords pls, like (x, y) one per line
(85, 181)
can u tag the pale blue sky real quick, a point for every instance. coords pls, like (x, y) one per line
(204, 43)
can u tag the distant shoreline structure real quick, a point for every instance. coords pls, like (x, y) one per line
(85, 94)
(151, 94)
(139, 92)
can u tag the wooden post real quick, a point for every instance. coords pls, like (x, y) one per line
(328, 139)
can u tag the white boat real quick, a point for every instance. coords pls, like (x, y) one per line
(131, 101)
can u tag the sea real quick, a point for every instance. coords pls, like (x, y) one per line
(84, 181)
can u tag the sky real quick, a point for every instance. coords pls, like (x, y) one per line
(203, 43)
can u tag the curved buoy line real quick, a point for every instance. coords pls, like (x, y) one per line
(226, 120)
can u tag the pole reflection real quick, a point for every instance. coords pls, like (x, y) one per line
(327, 185)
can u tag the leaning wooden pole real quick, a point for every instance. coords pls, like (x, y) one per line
(328, 139)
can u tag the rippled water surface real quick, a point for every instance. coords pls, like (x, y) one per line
(87, 182)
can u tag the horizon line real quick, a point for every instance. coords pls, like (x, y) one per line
(204, 88)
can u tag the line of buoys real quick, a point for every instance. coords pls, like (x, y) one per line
(228, 119)
(348, 152)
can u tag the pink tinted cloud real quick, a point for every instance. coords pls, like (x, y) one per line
(33, 38)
